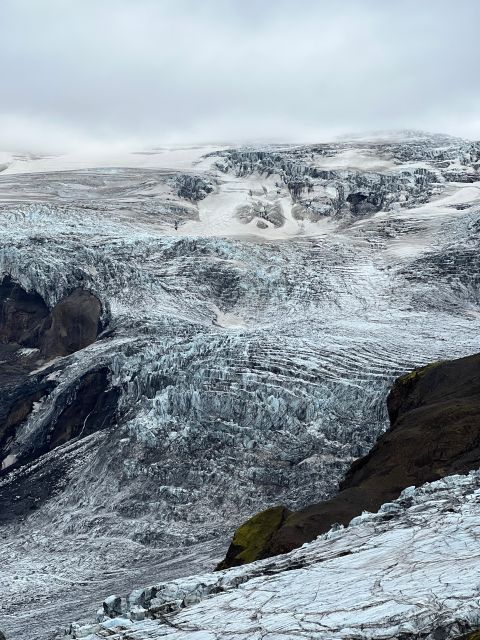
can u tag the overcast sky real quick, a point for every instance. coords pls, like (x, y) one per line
(76, 73)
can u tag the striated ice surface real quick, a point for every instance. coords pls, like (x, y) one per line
(409, 571)
(253, 346)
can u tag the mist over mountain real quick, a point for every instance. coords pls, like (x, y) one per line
(119, 73)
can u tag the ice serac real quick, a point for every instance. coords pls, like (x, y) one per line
(435, 431)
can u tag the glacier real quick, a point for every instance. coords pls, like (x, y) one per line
(408, 571)
(252, 347)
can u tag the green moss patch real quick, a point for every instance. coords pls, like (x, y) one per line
(252, 536)
(416, 374)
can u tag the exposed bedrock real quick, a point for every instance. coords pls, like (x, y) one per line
(21, 313)
(81, 410)
(31, 335)
(16, 404)
(435, 431)
(72, 324)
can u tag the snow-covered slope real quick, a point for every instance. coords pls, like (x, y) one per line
(412, 570)
(251, 348)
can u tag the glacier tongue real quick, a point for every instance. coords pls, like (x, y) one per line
(252, 349)
(409, 571)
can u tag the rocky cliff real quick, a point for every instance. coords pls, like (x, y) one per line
(34, 338)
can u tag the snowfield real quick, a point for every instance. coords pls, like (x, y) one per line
(252, 348)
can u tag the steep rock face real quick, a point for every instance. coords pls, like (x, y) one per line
(21, 312)
(16, 405)
(72, 324)
(435, 431)
(84, 408)
(30, 336)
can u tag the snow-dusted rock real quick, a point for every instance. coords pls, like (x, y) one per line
(112, 606)
(137, 613)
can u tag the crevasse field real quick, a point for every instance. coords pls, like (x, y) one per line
(252, 348)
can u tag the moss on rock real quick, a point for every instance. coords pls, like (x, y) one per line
(413, 376)
(252, 537)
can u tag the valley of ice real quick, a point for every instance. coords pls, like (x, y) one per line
(253, 348)
(409, 571)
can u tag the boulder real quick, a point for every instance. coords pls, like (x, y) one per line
(112, 606)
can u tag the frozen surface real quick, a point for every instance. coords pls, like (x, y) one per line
(253, 346)
(412, 570)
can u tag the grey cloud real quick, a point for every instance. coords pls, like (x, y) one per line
(152, 71)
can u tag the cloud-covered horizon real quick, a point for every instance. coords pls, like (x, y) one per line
(147, 72)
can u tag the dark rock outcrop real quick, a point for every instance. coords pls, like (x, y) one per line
(21, 312)
(435, 431)
(16, 406)
(89, 406)
(253, 536)
(72, 324)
